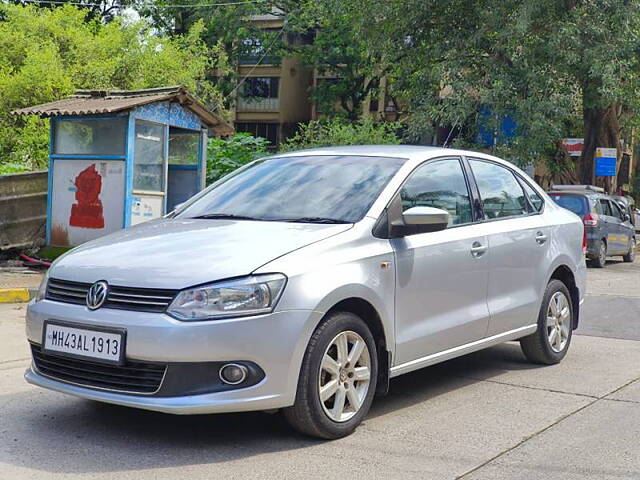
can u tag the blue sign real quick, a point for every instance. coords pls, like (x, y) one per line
(605, 166)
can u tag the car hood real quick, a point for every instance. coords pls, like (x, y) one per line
(179, 253)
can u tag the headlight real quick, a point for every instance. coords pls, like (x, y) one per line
(42, 289)
(252, 295)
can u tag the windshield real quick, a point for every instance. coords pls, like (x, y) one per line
(313, 189)
(576, 203)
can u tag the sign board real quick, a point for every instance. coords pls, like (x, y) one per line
(87, 200)
(606, 159)
(146, 207)
(573, 145)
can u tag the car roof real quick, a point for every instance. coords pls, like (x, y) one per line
(409, 152)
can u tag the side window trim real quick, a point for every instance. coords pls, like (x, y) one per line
(476, 200)
(486, 160)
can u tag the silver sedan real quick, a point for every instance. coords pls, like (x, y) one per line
(305, 281)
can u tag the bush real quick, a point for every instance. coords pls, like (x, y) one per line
(224, 155)
(337, 131)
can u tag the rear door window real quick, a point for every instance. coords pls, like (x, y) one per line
(578, 204)
(606, 207)
(616, 211)
(535, 200)
(502, 196)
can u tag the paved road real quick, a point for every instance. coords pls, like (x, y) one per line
(489, 415)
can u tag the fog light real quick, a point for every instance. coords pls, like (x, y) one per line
(233, 374)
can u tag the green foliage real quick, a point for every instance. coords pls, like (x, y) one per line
(46, 54)
(348, 74)
(228, 28)
(224, 155)
(336, 131)
(543, 62)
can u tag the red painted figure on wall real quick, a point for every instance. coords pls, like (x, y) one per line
(87, 212)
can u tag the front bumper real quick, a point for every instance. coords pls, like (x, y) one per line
(275, 342)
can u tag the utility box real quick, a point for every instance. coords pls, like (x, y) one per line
(120, 158)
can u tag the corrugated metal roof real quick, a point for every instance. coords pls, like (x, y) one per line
(92, 102)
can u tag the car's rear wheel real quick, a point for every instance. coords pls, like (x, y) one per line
(631, 254)
(600, 260)
(550, 342)
(337, 379)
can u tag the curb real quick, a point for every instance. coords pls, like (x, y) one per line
(16, 295)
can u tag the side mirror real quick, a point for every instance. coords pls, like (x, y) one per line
(626, 217)
(426, 219)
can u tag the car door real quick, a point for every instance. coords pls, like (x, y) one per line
(622, 228)
(518, 243)
(610, 227)
(441, 277)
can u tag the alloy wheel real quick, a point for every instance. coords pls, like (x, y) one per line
(558, 321)
(344, 377)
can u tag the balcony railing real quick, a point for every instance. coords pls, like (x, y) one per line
(258, 104)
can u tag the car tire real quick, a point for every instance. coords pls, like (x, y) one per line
(631, 254)
(544, 346)
(600, 260)
(310, 414)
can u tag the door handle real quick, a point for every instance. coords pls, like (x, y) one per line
(541, 238)
(477, 249)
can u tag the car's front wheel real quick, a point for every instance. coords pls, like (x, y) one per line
(550, 342)
(337, 380)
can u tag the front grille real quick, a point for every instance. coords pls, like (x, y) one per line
(133, 377)
(124, 298)
(67, 292)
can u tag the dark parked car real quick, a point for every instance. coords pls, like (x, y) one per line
(607, 225)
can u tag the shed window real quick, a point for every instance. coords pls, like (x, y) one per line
(90, 136)
(148, 169)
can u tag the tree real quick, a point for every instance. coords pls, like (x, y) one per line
(106, 10)
(329, 44)
(46, 54)
(547, 64)
(227, 29)
(346, 71)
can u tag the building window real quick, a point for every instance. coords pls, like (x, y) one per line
(261, 87)
(259, 94)
(260, 129)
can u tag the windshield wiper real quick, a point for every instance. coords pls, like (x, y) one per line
(226, 216)
(312, 220)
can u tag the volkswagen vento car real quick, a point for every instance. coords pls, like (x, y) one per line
(307, 280)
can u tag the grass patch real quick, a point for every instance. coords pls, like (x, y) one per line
(51, 253)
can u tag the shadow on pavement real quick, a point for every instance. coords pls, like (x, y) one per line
(51, 432)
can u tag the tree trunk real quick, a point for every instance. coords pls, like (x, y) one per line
(601, 129)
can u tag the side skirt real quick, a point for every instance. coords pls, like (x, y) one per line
(461, 350)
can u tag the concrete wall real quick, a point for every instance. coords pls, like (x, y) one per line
(23, 209)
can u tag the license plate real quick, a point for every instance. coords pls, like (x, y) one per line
(100, 345)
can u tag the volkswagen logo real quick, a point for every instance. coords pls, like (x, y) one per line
(97, 294)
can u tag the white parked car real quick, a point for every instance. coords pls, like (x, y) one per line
(305, 281)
